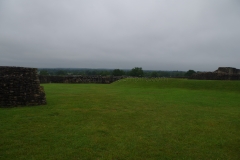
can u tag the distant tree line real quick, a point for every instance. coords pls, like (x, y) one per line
(134, 72)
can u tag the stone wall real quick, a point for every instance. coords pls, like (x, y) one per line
(228, 70)
(20, 87)
(78, 79)
(215, 76)
(223, 73)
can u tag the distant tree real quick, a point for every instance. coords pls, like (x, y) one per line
(118, 72)
(164, 74)
(147, 73)
(104, 73)
(154, 74)
(61, 73)
(127, 73)
(189, 73)
(91, 72)
(44, 73)
(136, 72)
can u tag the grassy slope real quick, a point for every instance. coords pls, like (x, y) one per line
(129, 119)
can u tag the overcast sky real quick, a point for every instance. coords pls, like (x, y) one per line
(153, 34)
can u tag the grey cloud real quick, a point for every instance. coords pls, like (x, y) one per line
(154, 34)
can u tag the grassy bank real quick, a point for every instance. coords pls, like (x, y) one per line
(129, 119)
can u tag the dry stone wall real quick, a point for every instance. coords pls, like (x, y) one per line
(223, 73)
(78, 79)
(228, 70)
(20, 87)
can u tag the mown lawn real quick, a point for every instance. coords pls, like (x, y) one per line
(129, 119)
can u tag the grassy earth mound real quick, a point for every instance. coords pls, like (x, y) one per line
(129, 119)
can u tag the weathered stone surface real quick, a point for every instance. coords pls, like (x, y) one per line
(223, 73)
(228, 70)
(78, 79)
(20, 86)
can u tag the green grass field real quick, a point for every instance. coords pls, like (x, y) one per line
(129, 119)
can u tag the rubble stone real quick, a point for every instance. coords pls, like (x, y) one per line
(79, 79)
(223, 73)
(20, 86)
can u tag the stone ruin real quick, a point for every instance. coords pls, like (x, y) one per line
(20, 87)
(227, 70)
(223, 73)
(79, 79)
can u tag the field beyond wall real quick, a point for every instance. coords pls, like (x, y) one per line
(128, 119)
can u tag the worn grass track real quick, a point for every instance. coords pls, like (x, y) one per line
(129, 119)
